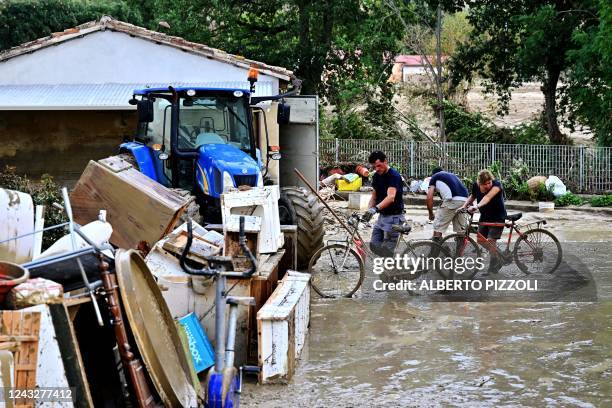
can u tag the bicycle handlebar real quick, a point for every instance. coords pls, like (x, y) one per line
(216, 262)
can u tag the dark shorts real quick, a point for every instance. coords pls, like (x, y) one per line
(490, 232)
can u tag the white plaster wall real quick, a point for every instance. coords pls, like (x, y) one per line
(115, 57)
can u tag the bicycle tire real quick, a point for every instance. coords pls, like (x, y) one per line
(472, 250)
(521, 257)
(322, 280)
(426, 249)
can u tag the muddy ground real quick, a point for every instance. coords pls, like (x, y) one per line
(389, 349)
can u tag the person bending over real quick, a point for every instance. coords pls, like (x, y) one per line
(454, 195)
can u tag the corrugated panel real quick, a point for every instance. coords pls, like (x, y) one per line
(94, 96)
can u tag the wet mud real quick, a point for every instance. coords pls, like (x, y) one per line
(397, 350)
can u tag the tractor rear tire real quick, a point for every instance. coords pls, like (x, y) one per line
(298, 206)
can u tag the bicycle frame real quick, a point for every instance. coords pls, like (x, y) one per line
(351, 240)
(484, 241)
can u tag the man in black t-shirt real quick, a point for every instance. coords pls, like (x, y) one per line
(488, 193)
(387, 200)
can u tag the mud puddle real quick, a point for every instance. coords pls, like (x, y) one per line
(389, 350)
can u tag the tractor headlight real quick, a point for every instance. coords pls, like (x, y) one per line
(228, 181)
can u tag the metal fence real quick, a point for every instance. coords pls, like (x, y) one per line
(583, 169)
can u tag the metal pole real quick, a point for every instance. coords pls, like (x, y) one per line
(412, 158)
(337, 151)
(231, 336)
(492, 153)
(220, 324)
(90, 289)
(439, 76)
(581, 174)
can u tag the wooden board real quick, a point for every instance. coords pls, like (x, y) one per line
(24, 328)
(138, 208)
(282, 325)
(199, 250)
(71, 355)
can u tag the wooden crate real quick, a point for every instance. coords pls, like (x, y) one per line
(22, 328)
(282, 327)
(140, 209)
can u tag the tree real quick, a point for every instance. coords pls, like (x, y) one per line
(22, 21)
(587, 97)
(522, 40)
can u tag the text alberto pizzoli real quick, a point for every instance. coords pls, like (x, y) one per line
(405, 264)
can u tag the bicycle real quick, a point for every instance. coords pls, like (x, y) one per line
(338, 268)
(224, 382)
(529, 251)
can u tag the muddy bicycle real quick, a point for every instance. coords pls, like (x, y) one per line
(338, 268)
(536, 250)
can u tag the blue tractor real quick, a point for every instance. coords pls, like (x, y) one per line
(204, 140)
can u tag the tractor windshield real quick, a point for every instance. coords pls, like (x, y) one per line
(213, 119)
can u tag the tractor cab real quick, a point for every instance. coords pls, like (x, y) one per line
(197, 139)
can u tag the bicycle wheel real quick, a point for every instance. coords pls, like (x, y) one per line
(460, 246)
(422, 261)
(336, 271)
(537, 251)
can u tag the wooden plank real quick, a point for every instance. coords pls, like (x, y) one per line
(199, 250)
(138, 208)
(282, 327)
(115, 164)
(71, 356)
(25, 326)
(261, 289)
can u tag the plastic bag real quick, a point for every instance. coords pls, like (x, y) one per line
(555, 184)
(424, 185)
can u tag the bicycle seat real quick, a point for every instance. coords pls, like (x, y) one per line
(514, 217)
(402, 229)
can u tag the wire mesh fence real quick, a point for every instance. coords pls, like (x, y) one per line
(583, 169)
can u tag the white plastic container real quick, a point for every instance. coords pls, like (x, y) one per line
(546, 206)
(16, 218)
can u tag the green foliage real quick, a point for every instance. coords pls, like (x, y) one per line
(44, 193)
(520, 41)
(529, 133)
(587, 96)
(24, 20)
(464, 126)
(515, 183)
(568, 199)
(602, 201)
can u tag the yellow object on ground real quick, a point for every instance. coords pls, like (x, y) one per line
(344, 185)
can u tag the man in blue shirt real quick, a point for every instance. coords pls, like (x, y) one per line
(454, 195)
(387, 200)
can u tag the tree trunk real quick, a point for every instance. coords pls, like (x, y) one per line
(316, 22)
(549, 88)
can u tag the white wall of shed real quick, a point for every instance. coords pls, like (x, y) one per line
(115, 57)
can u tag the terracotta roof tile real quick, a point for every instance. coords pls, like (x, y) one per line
(108, 23)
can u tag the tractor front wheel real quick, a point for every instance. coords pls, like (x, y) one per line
(298, 206)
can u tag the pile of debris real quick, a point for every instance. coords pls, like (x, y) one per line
(116, 301)
(339, 180)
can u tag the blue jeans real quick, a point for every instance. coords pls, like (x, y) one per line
(384, 238)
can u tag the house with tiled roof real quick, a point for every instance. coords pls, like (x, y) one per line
(66, 95)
